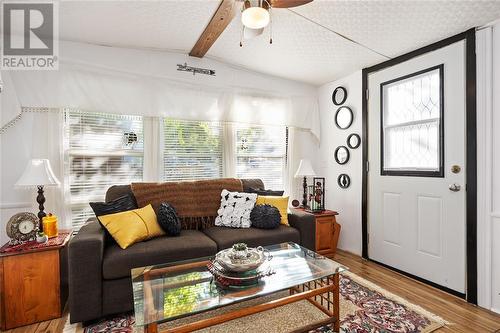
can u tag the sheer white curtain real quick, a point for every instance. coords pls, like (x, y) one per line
(133, 94)
(290, 165)
(229, 150)
(48, 131)
(10, 108)
(153, 152)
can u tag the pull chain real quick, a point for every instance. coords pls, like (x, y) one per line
(270, 25)
(241, 35)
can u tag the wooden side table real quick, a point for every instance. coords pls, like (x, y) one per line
(33, 285)
(327, 232)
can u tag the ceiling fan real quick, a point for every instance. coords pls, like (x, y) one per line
(255, 16)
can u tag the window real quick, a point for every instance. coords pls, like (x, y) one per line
(261, 153)
(191, 150)
(412, 124)
(103, 150)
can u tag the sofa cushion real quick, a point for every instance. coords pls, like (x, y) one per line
(279, 202)
(266, 192)
(132, 226)
(226, 237)
(235, 208)
(168, 220)
(265, 217)
(117, 263)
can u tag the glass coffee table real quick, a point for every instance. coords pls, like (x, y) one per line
(163, 293)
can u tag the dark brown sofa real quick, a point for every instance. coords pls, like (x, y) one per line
(99, 270)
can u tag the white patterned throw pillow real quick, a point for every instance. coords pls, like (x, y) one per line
(235, 208)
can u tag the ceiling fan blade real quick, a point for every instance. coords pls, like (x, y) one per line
(288, 3)
(251, 33)
(221, 19)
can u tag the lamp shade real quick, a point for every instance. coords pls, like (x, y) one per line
(37, 172)
(305, 169)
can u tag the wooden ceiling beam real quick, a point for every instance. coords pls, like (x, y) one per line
(221, 19)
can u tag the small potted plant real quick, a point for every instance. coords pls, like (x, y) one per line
(240, 251)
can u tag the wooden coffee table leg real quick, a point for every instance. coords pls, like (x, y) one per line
(336, 303)
(151, 328)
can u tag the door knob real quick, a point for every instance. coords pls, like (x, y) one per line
(454, 187)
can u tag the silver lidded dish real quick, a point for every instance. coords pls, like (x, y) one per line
(241, 258)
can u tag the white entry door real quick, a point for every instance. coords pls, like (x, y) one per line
(416, 177)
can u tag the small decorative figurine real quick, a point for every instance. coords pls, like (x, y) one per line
(317, 195)
(41, 237)
(240, 251)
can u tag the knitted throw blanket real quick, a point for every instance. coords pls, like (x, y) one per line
(196, 202)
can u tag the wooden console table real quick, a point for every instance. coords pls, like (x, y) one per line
(33, 285)
(327, 232)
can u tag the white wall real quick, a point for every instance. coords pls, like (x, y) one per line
(345, 201)
(348, 202)
(495, 183)
(16, 144)
(488, 129)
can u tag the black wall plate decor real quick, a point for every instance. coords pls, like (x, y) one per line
(344, 180)
(353, 141)
(339, 96)
(344, 117)
(341, 155)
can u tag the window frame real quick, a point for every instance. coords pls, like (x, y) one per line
(441, 157)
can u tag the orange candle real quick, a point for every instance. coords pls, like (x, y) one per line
(50, 225)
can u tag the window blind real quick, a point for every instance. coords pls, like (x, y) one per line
(191, 150)
(261, 153)
(102, 150)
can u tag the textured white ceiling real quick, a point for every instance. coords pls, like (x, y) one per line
(167, 25)
(301, 50)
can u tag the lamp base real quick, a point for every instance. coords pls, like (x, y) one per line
(304, 196)
(41, 214)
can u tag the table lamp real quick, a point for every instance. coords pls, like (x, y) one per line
(305, 170)
(38, 173)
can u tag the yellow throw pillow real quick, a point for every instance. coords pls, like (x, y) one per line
(279, 202)
(132, 226)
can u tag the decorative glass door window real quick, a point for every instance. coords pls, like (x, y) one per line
(412, 124)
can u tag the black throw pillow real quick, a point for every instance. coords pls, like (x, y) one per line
(121, 204)
(265, 217)
(266, 192)
(168, 220)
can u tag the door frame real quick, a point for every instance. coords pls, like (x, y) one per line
(471, 151)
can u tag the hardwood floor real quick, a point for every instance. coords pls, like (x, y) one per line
(462, 316)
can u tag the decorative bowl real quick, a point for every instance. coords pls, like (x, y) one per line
(254, 258)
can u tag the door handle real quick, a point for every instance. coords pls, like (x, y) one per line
(454, 187)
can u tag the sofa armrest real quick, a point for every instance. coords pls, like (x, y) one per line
(306, 224)
(86, 251)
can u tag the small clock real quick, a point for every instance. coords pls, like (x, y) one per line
(22, 227)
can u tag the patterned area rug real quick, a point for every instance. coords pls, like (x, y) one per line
(364, 308)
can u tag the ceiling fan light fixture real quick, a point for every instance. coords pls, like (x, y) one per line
(255, 17)
(251, 33)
